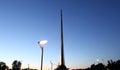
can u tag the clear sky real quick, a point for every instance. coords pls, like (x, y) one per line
(91, 31)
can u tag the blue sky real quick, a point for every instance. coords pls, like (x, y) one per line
(91, 31)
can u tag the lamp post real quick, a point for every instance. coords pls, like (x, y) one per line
(97, 61)
(51, 65)
(41, 44)
(28, 66)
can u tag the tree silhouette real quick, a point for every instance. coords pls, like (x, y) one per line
(99, 66)
(118, 65)
(113, 65)
(3, 66)
(16, 65)
(93, 67)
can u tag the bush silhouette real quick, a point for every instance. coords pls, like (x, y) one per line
(16, 65)
(3, 66)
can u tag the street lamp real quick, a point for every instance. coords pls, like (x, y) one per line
(41, 44)
(97, 60)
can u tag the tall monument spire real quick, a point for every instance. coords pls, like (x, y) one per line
(62, 43)
(62, 65)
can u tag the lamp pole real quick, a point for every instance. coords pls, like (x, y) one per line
(41, 58)
(51, 65)
(41, 44)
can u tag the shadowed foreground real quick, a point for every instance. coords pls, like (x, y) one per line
(111, 65)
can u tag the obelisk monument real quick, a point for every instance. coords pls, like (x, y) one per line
(62, 65)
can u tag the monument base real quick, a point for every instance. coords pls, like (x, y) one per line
(61, 67)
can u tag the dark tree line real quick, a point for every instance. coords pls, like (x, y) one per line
(111, 65)
(16, 65)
